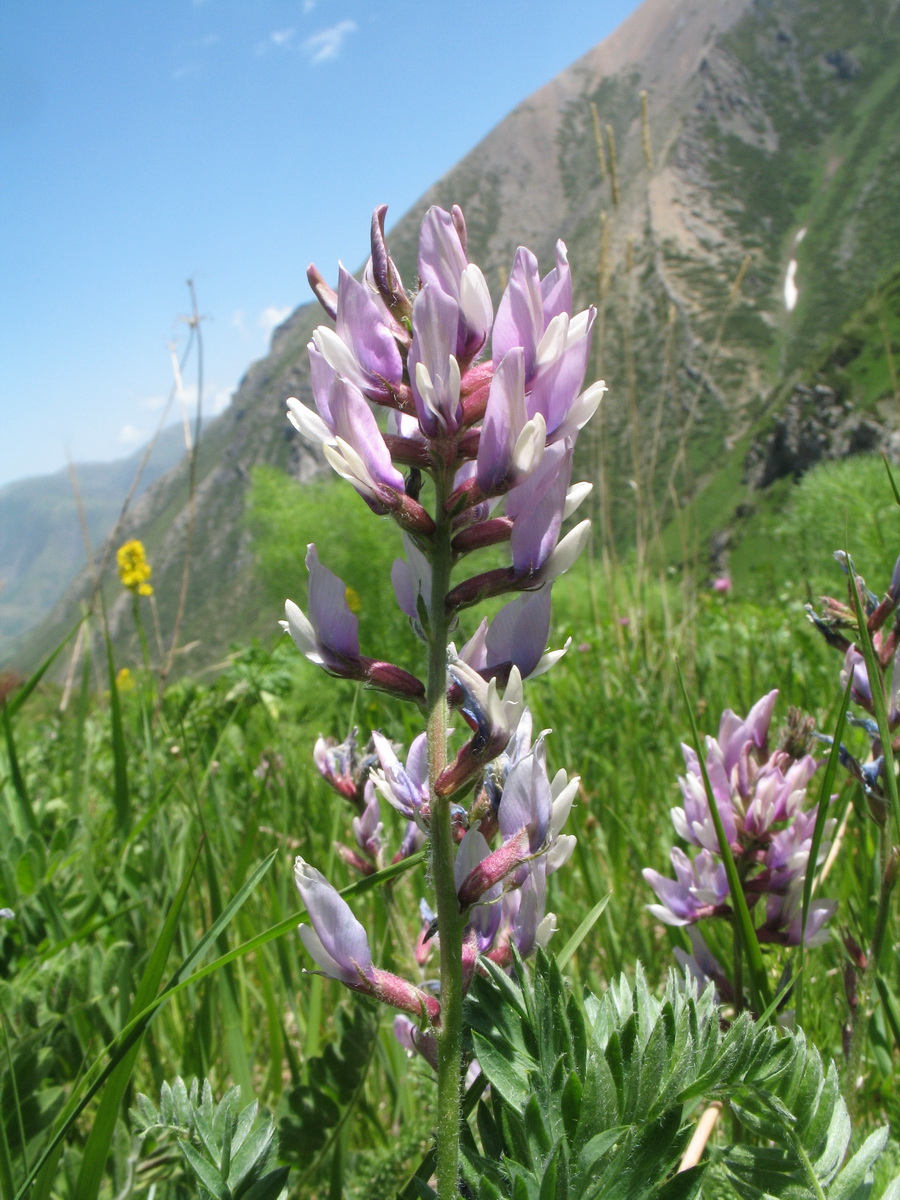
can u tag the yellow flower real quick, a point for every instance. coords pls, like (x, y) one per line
(134, 570)
(354, 603)
(124, 680)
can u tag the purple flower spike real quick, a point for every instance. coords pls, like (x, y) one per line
(337, 942)
(339, 946)
(342, 767)
(735, 733)
(368, 828)
(526, 802)
(556, 286)
(358, 452)
(411, 578)
(861, 692)
(701, 888)
(560, 363)
(346, 430)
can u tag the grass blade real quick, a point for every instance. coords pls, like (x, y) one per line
(106, 1063)
(18, 698)
(819, 832)
(96, 1150)
(121, 799)
(565, 955)
(26, 812)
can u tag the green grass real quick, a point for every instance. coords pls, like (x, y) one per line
(221, 777)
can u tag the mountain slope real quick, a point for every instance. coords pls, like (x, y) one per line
(42, 543)
(763, 118)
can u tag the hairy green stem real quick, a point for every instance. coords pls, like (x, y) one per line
(442, 859)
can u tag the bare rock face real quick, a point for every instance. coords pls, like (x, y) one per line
(814, 426)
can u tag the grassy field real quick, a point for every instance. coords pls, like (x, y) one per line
(146, 841)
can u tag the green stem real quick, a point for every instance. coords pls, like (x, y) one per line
(141, 632)
(860, 1020)
(450, 925)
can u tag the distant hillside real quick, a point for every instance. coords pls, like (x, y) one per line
(42, 541)
(764, 119)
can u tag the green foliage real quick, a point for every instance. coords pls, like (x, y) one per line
(836, 506)
(227, 763)
(284, 516)
(594, 1099)
(231, 1152)
(315, 1109)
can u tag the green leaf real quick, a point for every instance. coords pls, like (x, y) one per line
(612, 1125)
(96, 1150)
(205, 1172)
(859, 1168)
(106, 1064)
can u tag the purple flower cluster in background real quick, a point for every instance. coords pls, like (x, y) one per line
(838, 625)
(761, 799)
(488, 408)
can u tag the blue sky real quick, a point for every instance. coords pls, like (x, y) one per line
(227, 141)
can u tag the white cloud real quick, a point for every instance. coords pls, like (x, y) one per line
(130, 435)
(327, 44)
(271, 317)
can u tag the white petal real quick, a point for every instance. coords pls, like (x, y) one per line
(567, 551)
(585, 406)
(308, 423)
(337, 353)
(553, 343)
(560, 852)
(529, 447)
(475, 298)
(550, 659)
(300, 628)
(575, 497)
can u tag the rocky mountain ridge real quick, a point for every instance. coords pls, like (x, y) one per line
(678, 160)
